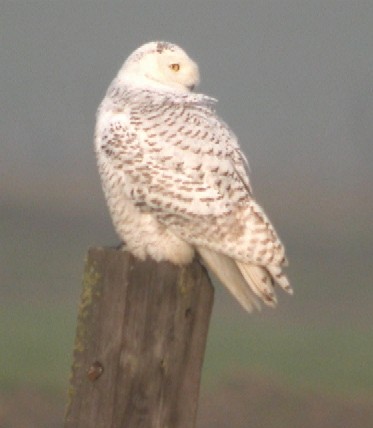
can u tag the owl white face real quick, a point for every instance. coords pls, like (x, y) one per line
(162, 63)
(175, 67)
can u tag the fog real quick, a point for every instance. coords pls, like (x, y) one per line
(294, 80)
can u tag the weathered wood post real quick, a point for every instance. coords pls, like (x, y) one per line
(140, 341)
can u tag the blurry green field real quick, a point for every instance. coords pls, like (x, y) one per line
(36, 345)
(328, 360)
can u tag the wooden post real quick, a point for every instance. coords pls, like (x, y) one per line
(140, 341)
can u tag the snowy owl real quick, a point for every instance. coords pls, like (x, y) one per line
(175, 178)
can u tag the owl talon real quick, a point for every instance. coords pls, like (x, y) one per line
(121, 247)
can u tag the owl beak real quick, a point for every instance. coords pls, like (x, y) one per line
(191, 87)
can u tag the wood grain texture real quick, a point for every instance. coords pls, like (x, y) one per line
(140, 341)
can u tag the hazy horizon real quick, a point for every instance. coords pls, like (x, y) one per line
(294, 81)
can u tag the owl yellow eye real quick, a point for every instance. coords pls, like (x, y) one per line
(175, 67)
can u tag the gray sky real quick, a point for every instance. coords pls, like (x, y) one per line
(293, 79)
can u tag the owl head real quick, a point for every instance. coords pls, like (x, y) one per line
(161, 64)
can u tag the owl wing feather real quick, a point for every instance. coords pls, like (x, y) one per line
(191, 175)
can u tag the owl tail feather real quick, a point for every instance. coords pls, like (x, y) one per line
(245, 280)
(260, 281)
(229, 274)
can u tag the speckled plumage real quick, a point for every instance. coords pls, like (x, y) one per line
(175, 178)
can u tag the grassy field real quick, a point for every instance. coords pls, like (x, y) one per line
(37, 343)
(320, 341)
(332, 360)
(36, 347)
